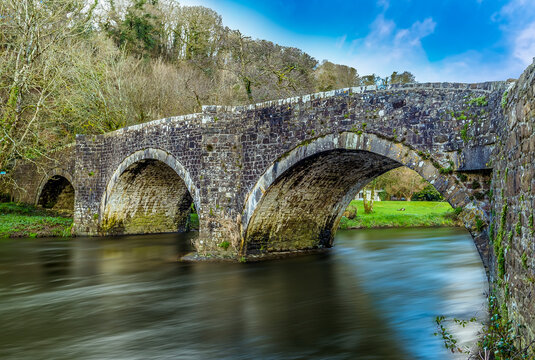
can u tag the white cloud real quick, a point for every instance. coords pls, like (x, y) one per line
(417, 31)
(341, 41)
(516, 22)
(381, 28)
(388, 48)
(468, 67)
(524, 46)
(516, 8)
(385, 4)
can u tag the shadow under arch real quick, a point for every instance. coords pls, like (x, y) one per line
(56, 190)
(299, 200)
(149, 192)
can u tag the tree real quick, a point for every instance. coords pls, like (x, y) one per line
(140, 30)
(329, 76)
(266, 70)
(368, 203)
(395, 78)
(403, 78)
(368, 80)
(72, 67)
(429, 193)
(35, 35)
(195, 35)
(401, 182)
(242, 56)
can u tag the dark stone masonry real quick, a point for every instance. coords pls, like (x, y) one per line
(276, 177)
(512, 233)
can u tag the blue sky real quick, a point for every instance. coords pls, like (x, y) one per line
(437, 40)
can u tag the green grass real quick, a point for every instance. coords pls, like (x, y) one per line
(194, 221)
(387, 214)
(19, 220)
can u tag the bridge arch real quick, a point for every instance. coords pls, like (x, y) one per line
(56, 190)
(149, 192)
(299, 200)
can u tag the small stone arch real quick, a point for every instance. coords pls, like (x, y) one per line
(395, 155)
(142, 159)
(66, 191)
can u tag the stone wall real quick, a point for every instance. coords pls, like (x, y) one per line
(303, 207)
(30, 177)
(58, 193)
(149, 197)
(101, 160)
(440, 127)
(228, 157)
(237, 163)
(233, 162)
(513, 205)
(309, 187)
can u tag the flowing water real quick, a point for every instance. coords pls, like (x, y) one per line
(373, 296)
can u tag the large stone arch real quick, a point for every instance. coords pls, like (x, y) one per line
(149, 192)
(56, 190)
(331, 156)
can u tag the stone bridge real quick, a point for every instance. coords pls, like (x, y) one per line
(277, 176)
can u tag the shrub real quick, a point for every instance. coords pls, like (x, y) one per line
(350, 212)
(429, 193)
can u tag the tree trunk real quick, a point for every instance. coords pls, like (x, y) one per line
(368, 204)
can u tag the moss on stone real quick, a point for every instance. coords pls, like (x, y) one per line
(524, 259)
(479, 101)
(499, 248)
(504, 99)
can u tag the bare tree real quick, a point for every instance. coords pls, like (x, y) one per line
(32, 31)
(401, 182)
(90, 66)
(331, 76)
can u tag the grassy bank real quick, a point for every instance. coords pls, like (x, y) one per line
(18, 220)
(388, 214)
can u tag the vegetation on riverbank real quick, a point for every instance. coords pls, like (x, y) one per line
(194, 221)
(19, 220)
(401, 214)
(500, 338)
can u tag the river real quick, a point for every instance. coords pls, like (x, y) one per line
(375, 295)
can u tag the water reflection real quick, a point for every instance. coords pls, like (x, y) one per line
(374, 296)
(55, 261)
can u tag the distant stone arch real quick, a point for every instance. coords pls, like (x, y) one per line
(56, 190)
(299, 200)
(149, 192)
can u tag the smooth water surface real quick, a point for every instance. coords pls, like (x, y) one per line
(373, 296)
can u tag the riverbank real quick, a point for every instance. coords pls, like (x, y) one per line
(389, 214)
(19, 220)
